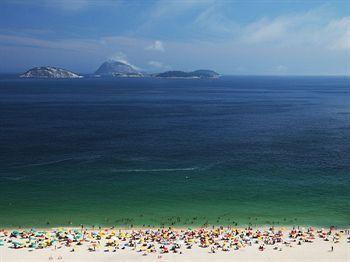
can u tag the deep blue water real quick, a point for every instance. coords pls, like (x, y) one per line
(257, 150)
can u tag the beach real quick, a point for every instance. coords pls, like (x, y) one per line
(200, 244)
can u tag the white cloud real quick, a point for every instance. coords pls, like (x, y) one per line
(297, 27)
(340, 32)
(121, 57)
(213, 21)
(156, 46)
(311, 29)
(156, 64)
(266, 30)
(171, 11)
(342, 43)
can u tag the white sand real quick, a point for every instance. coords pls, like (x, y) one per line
(317, 251)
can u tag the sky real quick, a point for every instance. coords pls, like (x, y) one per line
(230, 37)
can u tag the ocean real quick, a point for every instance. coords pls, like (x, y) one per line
(239, 150)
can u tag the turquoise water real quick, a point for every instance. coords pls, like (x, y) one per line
(235, 150)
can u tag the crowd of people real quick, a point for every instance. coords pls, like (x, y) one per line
(166, 240)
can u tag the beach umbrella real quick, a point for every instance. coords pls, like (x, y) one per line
(15, 233)
(70, 237)
(17, 244)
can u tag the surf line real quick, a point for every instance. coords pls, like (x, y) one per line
(156, 170)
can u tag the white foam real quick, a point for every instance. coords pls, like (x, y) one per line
(156, 170)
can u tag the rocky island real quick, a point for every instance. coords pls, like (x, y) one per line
(49, 72)
(194, 74)
(112, 68)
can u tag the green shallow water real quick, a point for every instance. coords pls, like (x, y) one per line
(175, 152)
(173, 199)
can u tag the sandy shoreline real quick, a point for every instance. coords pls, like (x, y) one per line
(216, 244)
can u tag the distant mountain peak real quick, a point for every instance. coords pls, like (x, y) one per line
(117, 68)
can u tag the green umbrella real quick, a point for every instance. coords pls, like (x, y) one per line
(15, 232)
(16, 243)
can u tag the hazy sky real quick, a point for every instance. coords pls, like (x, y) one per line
(231, 37)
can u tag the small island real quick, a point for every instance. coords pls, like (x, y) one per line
(112, 68)
(194, 74)
(49, 72)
